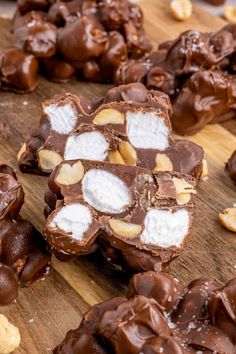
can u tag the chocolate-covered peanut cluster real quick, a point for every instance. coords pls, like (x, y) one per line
(231, 166)
(24, 255)
(83, 37)
(130, 125)
(132, 215)
(159, 315)
(196, 70)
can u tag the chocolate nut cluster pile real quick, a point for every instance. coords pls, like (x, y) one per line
(159, 315)
(89, 38)
(197, 70)
(24, 254)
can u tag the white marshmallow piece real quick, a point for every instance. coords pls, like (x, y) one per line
(73, 219)
(147, 130)
(164, 228)
(63, 119)
(88, 146)
(105, 192)
(9, 336)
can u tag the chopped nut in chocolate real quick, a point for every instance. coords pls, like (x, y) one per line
(196, 70)
(24, 255)
(89, 38)
(130, 125)
(143, 217)
(159, 315)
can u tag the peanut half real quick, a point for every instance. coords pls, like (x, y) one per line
(48, 159)
(230, 13)
(109, 116)
(125, 229)
(163, 163)
(181, 9)
(115, 157)
(183, 190)
(128, 153)
(228, 219)
(9, 336)
(21, 151)
(70, 174)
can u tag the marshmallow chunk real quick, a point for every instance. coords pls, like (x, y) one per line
(88, 146)
(63, 119)
(164, 228)
(105, 192)
(147, 130)
(74, 219)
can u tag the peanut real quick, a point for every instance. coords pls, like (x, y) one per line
(109, 116)
(70, 174)
(125, 229)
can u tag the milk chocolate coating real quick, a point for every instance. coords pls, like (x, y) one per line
(37, 37)
(207, 97)
(148, 191)
(185, 156)
(193, 70)
(216, 2)
(90, 38)
(18, 70)
(231, 166)
(24, 255)
(159, 315)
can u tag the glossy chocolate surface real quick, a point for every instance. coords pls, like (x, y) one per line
(24, 255)
(195, 69)
(86, 38)
(18, 70)
(159, 315)
(231, 166)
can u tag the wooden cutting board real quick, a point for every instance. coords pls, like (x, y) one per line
(46, 311)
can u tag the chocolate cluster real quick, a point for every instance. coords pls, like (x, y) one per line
(82, 37)
(136, 218)
(24, 255)
(130, 125)
(159, 315)
(197, 71)
(231, 166)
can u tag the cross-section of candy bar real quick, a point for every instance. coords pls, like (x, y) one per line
(159, 315)
(130, 125)
(132, 215)
(24, 255)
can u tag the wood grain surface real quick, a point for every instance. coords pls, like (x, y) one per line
(46, 311)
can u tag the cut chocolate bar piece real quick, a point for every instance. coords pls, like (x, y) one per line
(130, 125)
(159, 315)
(145, 216)
(24, 255)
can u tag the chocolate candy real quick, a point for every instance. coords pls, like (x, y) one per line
(89, 38)
(18, 70)
(130, 125)
(193, 70)
(207, 97)
(159, 315)
(231, 166)
(216, 2)
(24, 255)
(119, 209)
